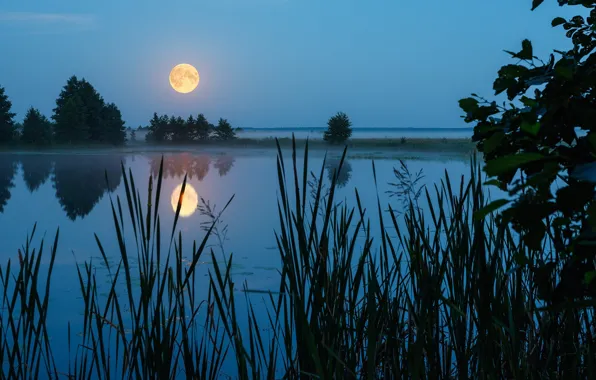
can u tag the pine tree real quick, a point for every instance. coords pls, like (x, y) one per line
(154, 134)
(94, 109)
(224, 130)
(339, 129)
(188, 128)
(68, 91)
(70, 124)
(37, 129)
(180, 132)
(113, 131)
(202, 128)
(91, 109)
(7, 126)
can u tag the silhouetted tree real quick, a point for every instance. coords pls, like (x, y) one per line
(202, 128)
(80, 183)
(133, 135)
(158, 128)
(82, 114)
(344, 175)
(224, 130)
(69, 122)
(93, 109)
(37, 129)
(339, 129)
(8, 169)
(36, 170)
(224, 164)
(114, 130)
(7, 126)
(70, 125)
(179, 130)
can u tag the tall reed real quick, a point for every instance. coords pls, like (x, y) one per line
(148, 330)
(443, 298)
(436, 291)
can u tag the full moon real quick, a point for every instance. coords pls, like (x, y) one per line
(190, 200)
(184, 78)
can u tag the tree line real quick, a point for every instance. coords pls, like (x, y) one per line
(82, 115)
(176, 129)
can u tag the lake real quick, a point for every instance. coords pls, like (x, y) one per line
(69, 191)
(360, 133)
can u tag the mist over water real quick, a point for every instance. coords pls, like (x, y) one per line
(360, 133)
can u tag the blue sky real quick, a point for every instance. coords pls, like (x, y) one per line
(271, 63)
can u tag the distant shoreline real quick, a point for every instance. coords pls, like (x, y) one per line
(356, 147)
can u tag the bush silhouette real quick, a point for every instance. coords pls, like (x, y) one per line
(339, 129)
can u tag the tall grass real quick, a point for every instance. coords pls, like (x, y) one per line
(432, 292)
(445, 297)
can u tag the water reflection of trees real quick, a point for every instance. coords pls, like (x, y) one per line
(8, 169)
(177, 165)
(80, 181)
(36, 170)
(344, 175)
(224, 164)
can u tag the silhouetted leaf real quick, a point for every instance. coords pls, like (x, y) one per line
(530, 128)
(564, 71)
(528, 102)
(589, 277)
(527, 51)
(508, 163)
(558, 21)
(503, 83)
(536, 3)
(592, 140)
(489, 208)
(468, 105)
(493, 142)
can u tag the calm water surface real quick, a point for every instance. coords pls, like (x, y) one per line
(69, 191)
(360, 133)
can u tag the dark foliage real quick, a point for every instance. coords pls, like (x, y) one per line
(170, 128)
(541, 148)
(339, 129)
(224, 130)
(81, 115)
(36, 170)
(7, 125)
(80, 183)
(37, 129)
(8, 169)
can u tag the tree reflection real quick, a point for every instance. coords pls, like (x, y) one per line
(344, 175)
(8, 169)
(224, 164)
(36, 170)
(177, 165)
(80, 181)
